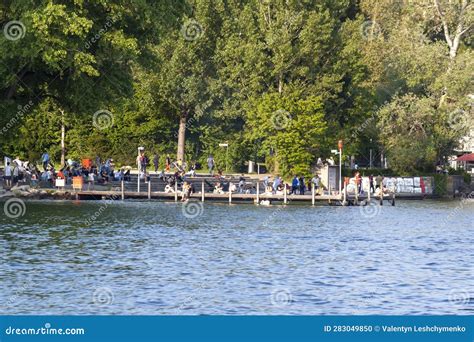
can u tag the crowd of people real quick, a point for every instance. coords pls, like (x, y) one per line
(103, 172)
(17, 172)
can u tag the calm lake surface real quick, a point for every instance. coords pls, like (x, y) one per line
(154, 258)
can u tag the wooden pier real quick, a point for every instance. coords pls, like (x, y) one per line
(234, 197)
(204, 191)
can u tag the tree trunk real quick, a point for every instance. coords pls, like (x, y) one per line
(63, 138)
(181, 137)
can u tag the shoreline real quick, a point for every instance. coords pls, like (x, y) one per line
(25, 192)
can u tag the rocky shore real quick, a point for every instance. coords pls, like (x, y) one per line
(25, 191)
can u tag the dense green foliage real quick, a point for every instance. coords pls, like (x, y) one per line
(281, 81)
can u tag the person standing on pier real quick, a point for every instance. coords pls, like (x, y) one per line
(371, 181)
(241, 184)
(8, 175)
(315, 181)
(378, 182)
(45, 160)
(302, 185)
(358, 181)
(211, 164)
(294, 185)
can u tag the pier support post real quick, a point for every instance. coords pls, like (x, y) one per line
(176, 190)
(123, 190)
(312, 194)
(230, 193)
(258, 192)
(202, 192)
(345, 195)
(285, 194)
(149, 189)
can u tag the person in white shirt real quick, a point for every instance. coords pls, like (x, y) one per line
(8, 175)
(315, 181)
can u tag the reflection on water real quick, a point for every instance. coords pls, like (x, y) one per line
(155, 258)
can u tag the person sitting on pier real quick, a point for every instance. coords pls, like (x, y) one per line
(126, 176)
(220, 174)
(218, 188)
(186, 192)
(231, 187)
(276, 184)
(171, 180)
(192, 171)
(241, 183)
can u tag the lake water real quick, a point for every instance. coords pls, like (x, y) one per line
(155, 258)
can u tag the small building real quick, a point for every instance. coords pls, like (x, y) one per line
(464, 153)
(466, 162)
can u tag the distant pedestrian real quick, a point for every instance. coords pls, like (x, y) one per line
(294, 185)
(301, 185)
(358, 181)
(144, 163)
(371, 181)
(315, 181)
(211, 164)
(168, 163)
(156, 163)
(378, 182)
(8, 175)
(16, 174)
(241, 183)
(90, 181)
(45, 160)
